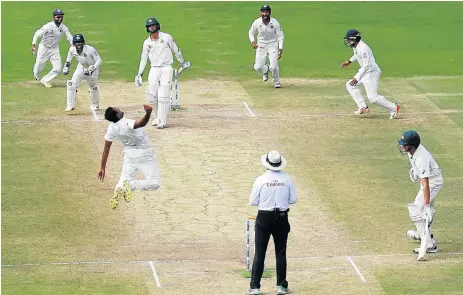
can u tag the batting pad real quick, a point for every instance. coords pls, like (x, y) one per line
(151, 98)
(163, 111)
(95, 96)
(71, 93)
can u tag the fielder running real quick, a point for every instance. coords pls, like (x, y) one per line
(159, 47)
(368, 75)
(270, 39)
(50, 35)
(424, 168)
(88, 69)
(138, 154)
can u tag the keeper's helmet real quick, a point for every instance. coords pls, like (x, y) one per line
(409, 138)
(265, 7)
(152, 22)
(78, 41)
(352, 37)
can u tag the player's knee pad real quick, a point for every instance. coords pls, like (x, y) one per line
(164, 94)
(416, 216)
(94, 94)
(151, 98)
(71, 93)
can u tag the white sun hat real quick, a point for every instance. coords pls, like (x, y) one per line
(273, 161)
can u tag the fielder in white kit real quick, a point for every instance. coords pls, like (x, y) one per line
(270, 39)
(159, 47)
(50, 35)
(88, 70)
(138, 154)
(425, 169)
(368, 75)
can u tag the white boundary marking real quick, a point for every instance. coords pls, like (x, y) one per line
(156, 278)
(356, 269)
(249, 109)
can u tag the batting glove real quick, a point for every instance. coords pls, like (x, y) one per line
(138, 80)
(413, 176)
(427, 213)
(91, 68)
(65, 71)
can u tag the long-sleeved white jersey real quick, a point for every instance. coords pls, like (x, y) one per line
(88, 57)
(366, 60)
(272, 32)
(50, 34)
(159, 51)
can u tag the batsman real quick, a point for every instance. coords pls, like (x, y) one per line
(425, 169)
(159, 47)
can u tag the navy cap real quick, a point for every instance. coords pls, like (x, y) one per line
(58, 12)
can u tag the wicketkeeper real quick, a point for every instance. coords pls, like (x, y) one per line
(88, 70)
(425, 169)
(159, 47)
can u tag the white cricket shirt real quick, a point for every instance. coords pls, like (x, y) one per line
(273, 189)
(130, 138)
(424, 165)
(159, 51)
(88, 57)
(366, 60)
(272, 32)
(50, 35)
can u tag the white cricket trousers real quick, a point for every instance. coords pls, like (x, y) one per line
(43, 55)
(270, 49)
(433, 191)
(371, 82)
(144, 160)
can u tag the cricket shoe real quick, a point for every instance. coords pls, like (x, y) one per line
(432, 249)
(276, 84)
(127, 191)
(36, 77)
(118, 193)
(161, 126)
(265, 76)
(395, 113)
(155, 122)
(362, 111)
(412, 234)
(282, 290)
(46, 84)
(254, 291)
(69, 109)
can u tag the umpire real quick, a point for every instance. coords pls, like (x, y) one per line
(273, 192)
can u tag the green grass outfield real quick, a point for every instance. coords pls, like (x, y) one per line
(353, 183)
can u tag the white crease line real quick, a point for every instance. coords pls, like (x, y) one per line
(249, 109)
(156, 278)
(356, 269)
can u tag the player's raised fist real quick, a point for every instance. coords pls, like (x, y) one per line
(148, 108)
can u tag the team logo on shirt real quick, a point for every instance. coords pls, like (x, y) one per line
(162, 41)
(60, 30)
(85, 54)
(271, 26)
(150, 47)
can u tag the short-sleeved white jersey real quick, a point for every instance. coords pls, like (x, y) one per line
(131, 138)
(424, 166)
(272, 32)
(365, 58)
(50, 35)
(88, 57)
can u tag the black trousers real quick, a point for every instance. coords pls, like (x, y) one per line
(268, 223)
